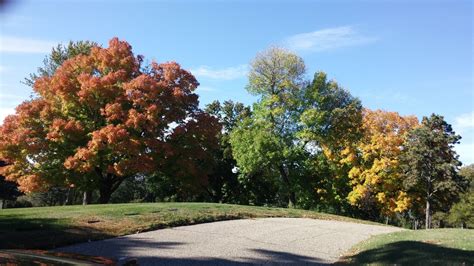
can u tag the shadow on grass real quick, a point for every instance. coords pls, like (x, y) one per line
(413, 253)
(43, 233)
(18, 232)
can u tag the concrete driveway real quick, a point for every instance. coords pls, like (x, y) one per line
(271, 241)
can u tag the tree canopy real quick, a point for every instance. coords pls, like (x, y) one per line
(430, 164)
(376, 176)
(100, 118)
(56, 58)
(265, 141)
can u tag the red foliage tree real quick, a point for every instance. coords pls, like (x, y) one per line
(102, 118)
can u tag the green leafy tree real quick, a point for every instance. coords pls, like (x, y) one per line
(224, 185)
(331, 121)
(463, 211)
(430, 165)
(264, 143)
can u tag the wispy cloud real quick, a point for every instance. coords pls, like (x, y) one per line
(9, 44)
(206, 89)
(464, 150)
(387, 95)
(14, 21)
(10, 97)
(464, 121)
(8, 101)
(327, 39)
(228, 73)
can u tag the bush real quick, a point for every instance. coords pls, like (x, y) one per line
(20, 202)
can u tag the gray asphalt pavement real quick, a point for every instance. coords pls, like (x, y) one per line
(269, 241)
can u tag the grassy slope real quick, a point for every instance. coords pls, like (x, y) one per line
(50, 227)
(425, 247)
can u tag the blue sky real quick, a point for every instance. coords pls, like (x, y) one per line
(413, 57)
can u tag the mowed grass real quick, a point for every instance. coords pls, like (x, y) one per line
(420, 247)
(51, 227)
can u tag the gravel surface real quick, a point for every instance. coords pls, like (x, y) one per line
(273, 241)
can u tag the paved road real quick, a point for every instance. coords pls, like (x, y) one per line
(271, 241)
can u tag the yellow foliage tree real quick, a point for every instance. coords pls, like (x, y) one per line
(376, 175)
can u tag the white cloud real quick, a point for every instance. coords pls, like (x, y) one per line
(9, 44)
(228, 73)
(327, 39)
(8, 101)
(10, 97)
(466, 152)
(464, 121)
(206, 89)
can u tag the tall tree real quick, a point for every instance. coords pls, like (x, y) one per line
(330, 119)
(376, 177)
(430, 164)
(266, 140)
(101, 118)
(224, 185)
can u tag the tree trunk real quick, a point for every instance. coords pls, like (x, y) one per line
(291, 193)
(427, 215)
(2, 204)
(67, 201)
(105, 194)
(292, 200)
(109, 183)
(87, 197)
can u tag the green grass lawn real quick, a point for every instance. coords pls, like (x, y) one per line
(420, 247)
(50, 227)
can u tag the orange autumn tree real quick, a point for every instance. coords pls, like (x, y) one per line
(104, 117)
(376, 178)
